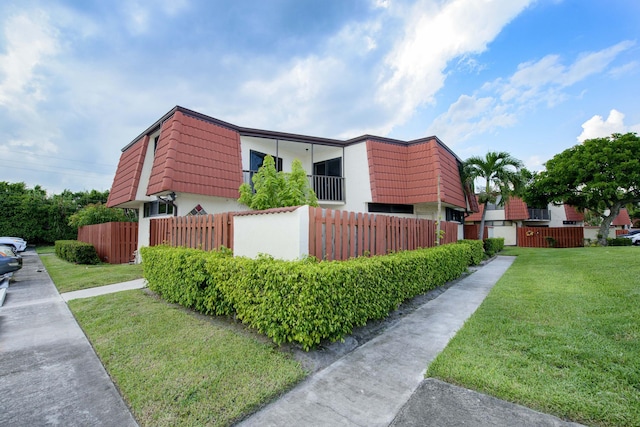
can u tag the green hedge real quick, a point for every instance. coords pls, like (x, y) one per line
(179, 276)
(300, 301)
(76, 252)
(493, 245)
(477, 250)
(619, 241)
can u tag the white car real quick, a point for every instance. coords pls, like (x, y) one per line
(16, 242)
(634, 235)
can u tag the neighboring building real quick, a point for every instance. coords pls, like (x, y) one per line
(189, 163)
(503, 221)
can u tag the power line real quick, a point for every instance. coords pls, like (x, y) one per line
(61, 158)
(61, 172)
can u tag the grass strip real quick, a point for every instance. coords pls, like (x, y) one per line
(68, 276)
(175, 368)
(560, 333)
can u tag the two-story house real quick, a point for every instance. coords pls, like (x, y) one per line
(189, 163)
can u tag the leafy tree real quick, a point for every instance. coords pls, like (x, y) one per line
(502, 174)
(272, 189)
(97, 214)
(34, 215)
(601, 175)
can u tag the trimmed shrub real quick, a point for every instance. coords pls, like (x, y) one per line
(477, 250)
(619, 241)
(179, 276)
(300, 301)
(493, 245)
(76, 252)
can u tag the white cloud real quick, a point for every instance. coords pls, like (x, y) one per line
(534, 163)
(138, 17)
(436, 34)
(312, 93)
(627, 68)
(142, 14)
(30, 41)
(544, 79)
(499, 103)
(596, 127)
(469, 116)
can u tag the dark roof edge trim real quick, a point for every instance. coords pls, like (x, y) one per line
(283, 135)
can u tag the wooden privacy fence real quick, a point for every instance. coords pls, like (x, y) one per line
(471, 231)
(558, 237)
(115, 242)
(339, 235)
(205, 232)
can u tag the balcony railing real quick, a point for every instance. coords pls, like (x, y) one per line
(539, 214)
(327, 188)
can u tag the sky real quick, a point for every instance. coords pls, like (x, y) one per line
(79, 80)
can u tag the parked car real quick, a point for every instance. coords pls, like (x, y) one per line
(634, 235)
(10, 261)
(15, 242)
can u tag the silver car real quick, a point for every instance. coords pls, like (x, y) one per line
(16, 242)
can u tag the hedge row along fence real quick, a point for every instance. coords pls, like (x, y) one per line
(76, 252)
(302, 301)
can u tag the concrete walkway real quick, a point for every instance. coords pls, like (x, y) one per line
(103, 290)
(371, 385)
(49, 373)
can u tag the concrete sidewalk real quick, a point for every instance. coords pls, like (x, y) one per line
(49, 373)
(103, 290)
(373, 384)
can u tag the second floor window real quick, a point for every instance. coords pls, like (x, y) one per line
(256, 159)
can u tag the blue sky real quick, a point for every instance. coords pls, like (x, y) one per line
(80, 79)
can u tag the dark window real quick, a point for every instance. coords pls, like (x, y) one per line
(331, 167)
(541, 214)
(327, 179)
(454, 215)
(256, 159)
(390, 208)
(158, 207)
(155, 143)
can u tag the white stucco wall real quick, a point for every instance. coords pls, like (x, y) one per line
(147, 165)
(592, 233)
(283, 235)
(356, 176)
(558, 215)
(507, 232)
(495, 215)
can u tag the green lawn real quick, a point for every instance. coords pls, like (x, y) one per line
(176, 368)
(68, 276)
(560, 333)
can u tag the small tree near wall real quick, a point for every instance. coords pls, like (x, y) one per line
(272, 189)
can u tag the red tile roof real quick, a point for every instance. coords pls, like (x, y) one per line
(201, 155)
(476, 216)
(515, 210)
(622, 218)
(572, 214)
(407, 174)
(195, 156)
(127, 178)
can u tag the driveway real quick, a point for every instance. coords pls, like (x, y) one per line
(49, 373)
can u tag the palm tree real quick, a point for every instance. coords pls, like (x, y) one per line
(504, 176)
